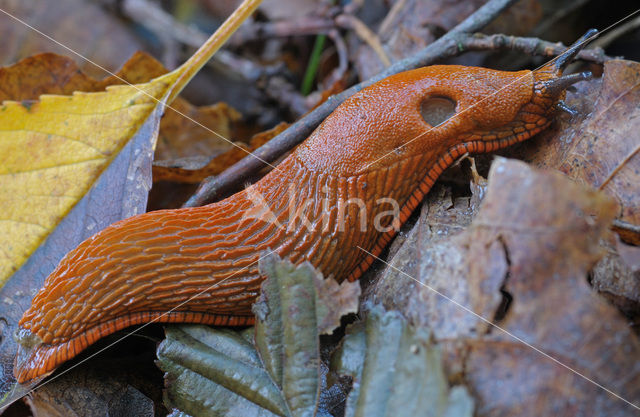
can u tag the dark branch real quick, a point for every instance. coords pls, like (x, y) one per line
(448, 45)
(529, 46)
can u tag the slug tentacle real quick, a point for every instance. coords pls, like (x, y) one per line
(557, 86)
(350, 185)
(562, 61)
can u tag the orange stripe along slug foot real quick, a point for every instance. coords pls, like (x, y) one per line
(391, 140)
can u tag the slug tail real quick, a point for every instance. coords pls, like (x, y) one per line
(38, 361)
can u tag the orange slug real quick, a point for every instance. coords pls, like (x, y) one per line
(387, 143)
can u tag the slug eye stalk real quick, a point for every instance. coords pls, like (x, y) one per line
(549, 78)
(564, 59)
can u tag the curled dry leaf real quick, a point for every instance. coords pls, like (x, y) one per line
(194, 170)
(337, 300)
(522, 264)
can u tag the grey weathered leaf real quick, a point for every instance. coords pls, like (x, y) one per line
(216, 372)
(397, 371)
(287, 321)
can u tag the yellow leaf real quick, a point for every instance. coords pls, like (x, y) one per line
(52, 151)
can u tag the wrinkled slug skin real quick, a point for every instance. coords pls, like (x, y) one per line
(201, 263)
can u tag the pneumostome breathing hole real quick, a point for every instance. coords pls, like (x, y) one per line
(437, 110)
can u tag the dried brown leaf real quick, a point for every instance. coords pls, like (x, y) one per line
(523, 264)
(600, 147)
(194, 170)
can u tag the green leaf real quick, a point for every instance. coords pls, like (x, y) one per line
(397, 371)
(221, 373)
(210, 373)
(396, 368)
(287, 322)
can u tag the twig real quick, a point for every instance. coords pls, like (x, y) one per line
(296, 133)
(169, 30)
(278, 89)
(353, 6)
(259, 30)
(343, 61)
(385, 26)
(351, 22)
(529, 46)
(626, 226)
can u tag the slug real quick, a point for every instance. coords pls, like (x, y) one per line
(385, 144)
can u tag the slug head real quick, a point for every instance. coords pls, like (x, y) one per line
(431, 110)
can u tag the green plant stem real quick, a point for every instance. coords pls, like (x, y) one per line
(312, 67)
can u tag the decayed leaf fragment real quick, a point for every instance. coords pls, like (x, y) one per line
(194, 170)
(396, 370)
(523, 265)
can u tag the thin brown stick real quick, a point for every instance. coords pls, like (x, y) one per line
(447, 45)
(300, 27)
(529, 46)
(343, 61)
(169, 31)
(365, 34)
